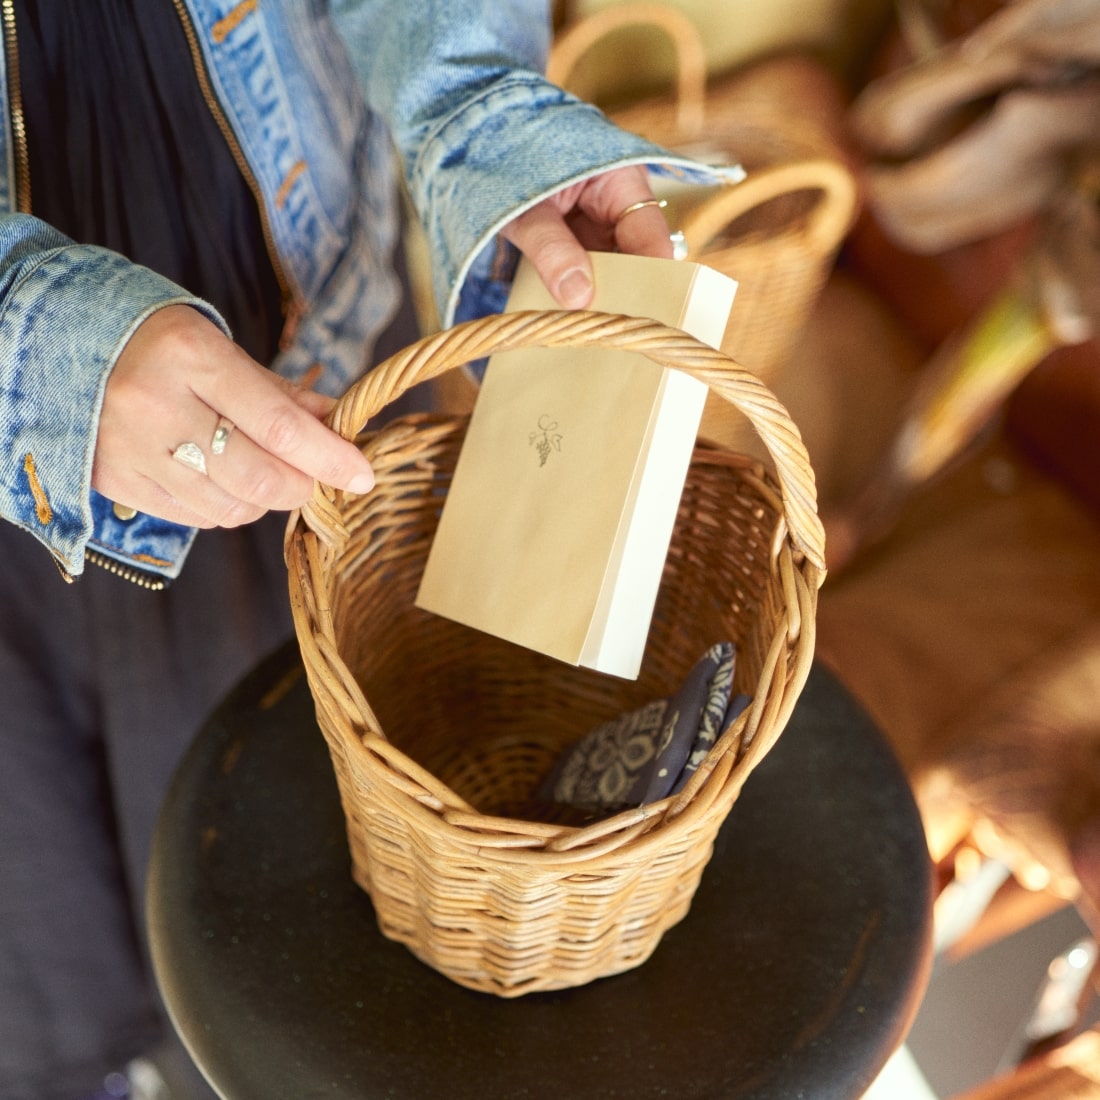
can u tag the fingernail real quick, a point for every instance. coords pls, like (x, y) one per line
(362, 483)
(575, 289)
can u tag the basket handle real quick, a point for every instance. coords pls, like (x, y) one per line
(830, 219)
(472, 340)
(574, 41)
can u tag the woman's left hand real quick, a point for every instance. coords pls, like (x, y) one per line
(590, 215)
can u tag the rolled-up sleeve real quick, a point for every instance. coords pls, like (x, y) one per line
(66, 311)
(481, 133)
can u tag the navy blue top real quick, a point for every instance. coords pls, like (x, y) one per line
(124, 152)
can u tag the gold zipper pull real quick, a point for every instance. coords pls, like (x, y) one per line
(66, 576)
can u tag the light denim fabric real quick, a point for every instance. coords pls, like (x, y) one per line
(453, 86)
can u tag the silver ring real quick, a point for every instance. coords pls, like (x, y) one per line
(190, 454)
(662, 203)
(221, 435)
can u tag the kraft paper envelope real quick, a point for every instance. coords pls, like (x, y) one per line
(557, 523)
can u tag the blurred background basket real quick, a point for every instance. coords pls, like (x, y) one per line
(782, 120)
(441, 735)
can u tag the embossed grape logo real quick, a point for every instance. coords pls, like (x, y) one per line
(545, 438)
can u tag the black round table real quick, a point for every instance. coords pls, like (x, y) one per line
(796, 973)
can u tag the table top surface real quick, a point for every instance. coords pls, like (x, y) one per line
(796, 973)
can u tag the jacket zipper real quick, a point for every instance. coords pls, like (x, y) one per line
(142, 578)
(15, 100)
(292, 304)
(21, 165)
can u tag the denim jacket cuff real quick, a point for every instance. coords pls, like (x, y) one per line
(522, 140)
(63, 325)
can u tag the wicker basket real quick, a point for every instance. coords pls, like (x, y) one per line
(440, 735)
(779, 230)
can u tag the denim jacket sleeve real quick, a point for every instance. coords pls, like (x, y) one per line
(481, 133)
(66, 310)
(482, 136)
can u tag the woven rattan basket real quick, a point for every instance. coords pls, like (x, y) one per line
(777, 232)
(440, 735)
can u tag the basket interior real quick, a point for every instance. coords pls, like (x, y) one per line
(487, 717)
(773, 222)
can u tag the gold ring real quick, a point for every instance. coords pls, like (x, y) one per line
(639, 206)
(222, 433)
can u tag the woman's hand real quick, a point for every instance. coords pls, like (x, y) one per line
(174, 380)
(179, 378)
(590, 215)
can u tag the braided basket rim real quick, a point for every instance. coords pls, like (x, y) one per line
(314, 533)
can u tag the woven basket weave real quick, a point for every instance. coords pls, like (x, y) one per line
(777, 232)
(440, 735)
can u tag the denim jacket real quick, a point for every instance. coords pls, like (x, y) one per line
(325, 100)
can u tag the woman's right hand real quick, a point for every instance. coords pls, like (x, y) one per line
(176, 377)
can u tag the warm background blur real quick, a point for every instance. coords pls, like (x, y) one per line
(940, 362)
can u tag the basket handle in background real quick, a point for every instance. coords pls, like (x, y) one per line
(828, 222)
(691, 63)
(455, 347)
